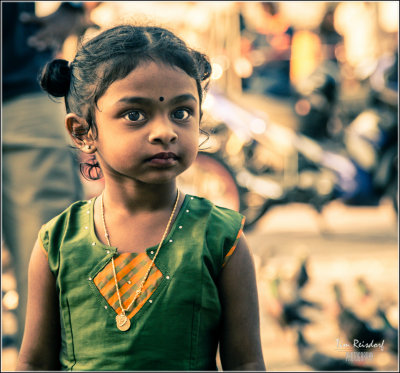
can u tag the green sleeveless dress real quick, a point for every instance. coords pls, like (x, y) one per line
(174, 323)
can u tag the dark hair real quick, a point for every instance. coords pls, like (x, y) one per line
(111, 56)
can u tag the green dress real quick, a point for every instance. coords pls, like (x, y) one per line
(174, 323)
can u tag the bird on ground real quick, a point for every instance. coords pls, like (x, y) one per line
(288, 312)
(390, 333)
(356, 330)
(301, 277)
(367, 304)
(319, 361)
(364, 288)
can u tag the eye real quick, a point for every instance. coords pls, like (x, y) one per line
(135, 116)
(181, 114)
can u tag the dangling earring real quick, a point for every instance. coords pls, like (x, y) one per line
(90, 168)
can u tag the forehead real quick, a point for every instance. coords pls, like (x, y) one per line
(151, 80)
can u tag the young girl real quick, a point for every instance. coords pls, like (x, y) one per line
(142, 277)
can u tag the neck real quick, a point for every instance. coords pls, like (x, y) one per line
(144, 197)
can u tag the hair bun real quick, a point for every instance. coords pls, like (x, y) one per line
(55, 78)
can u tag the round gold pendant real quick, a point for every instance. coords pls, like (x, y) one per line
(123, 323)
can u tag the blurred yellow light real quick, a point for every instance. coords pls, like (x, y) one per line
(243, 67)
(223, 61)
(9, 357)
(9, 323)
(234, 145)
(44, 8)
(282, 138)
(305, 56)
(217, 71)
(258, 126)
(208, 102)
(324, 185)
(69, 47)
(355, 21)
(10, 300)
(8, 282)
(393, 316)
(303, 14)
(388, 15)
(103, 14)
(198, 20)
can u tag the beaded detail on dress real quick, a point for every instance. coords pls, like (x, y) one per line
(130, 269)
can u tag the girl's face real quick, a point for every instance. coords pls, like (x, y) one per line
(148, 125)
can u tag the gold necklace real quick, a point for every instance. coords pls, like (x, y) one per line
(123, 322)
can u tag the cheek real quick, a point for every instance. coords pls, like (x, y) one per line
(194, 154)
(191, 144)
(194, 140)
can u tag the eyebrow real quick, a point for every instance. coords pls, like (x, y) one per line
(146, 101)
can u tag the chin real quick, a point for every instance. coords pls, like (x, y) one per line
(163, 176)
(160, 179)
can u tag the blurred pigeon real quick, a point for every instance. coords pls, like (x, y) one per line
(288, 312)
(320, 361)
(301, 277)
(390, 333)
(354, 327)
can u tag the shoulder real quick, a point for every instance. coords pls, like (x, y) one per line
(66, 226)
(216, 214)
(222, 226)
(75, 209)
(54, 231)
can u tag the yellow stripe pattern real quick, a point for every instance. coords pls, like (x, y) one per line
(130, 269)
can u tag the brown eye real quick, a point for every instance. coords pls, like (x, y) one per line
(181, 114)
(135, 116)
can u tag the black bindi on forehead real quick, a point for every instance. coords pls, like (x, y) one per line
(161, 98)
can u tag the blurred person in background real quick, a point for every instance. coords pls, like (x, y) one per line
(266, 42)
(39, 175)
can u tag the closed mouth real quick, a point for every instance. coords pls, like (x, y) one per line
(164, 155)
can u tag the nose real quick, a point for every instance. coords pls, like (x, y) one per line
(162, 132)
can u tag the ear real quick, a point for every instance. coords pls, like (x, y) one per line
(80, 133)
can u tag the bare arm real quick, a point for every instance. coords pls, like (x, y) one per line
(240, 344)
(41, 343)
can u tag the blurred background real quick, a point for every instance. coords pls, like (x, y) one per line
(302, 123)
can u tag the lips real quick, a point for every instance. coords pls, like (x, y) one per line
(164, 155)
(164, 159)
